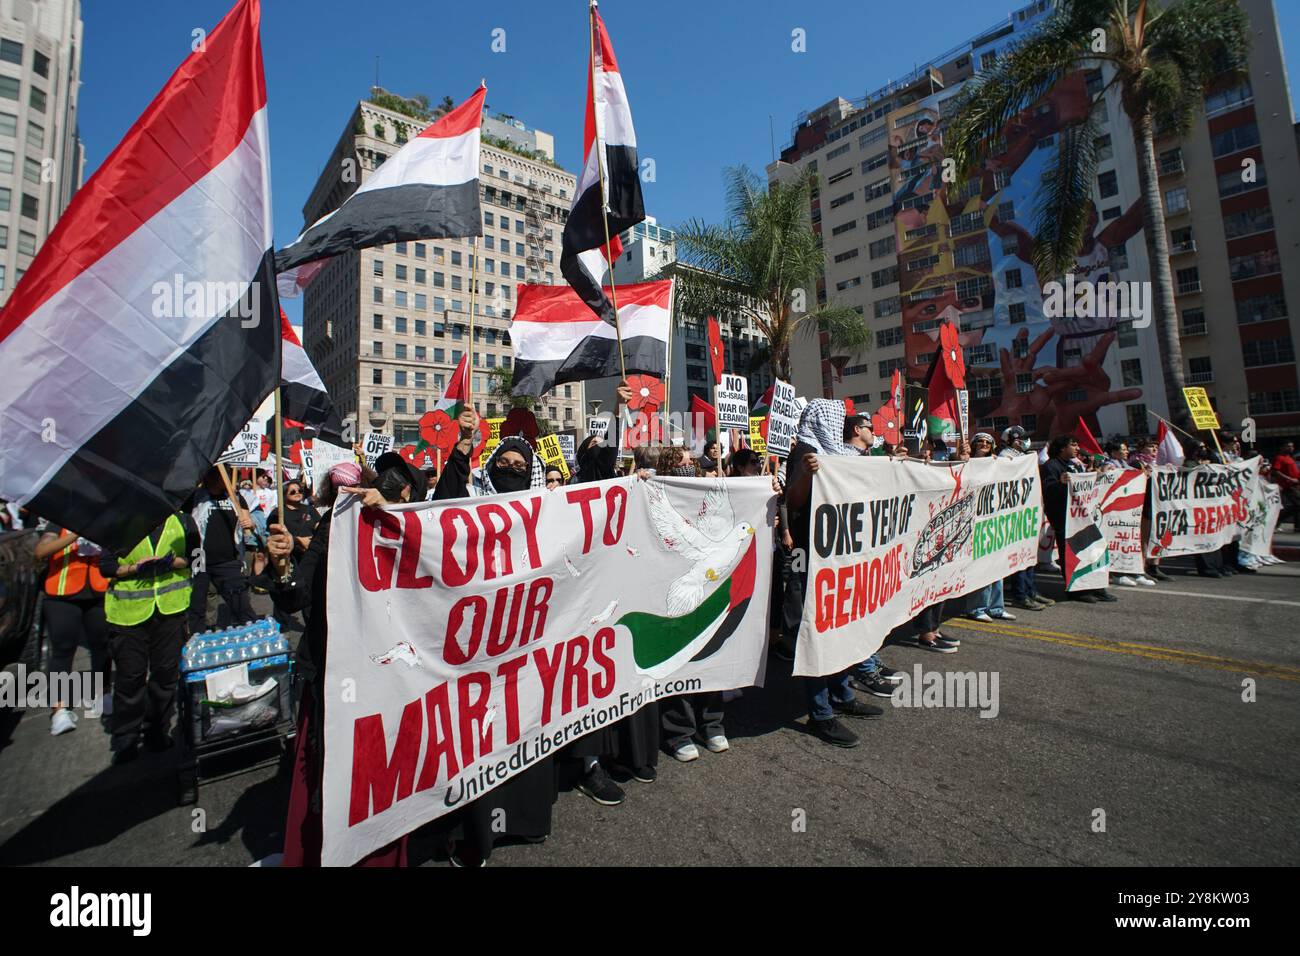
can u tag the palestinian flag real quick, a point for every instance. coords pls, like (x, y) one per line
(661, 644)
(608, 198)
(456, 394)
(556, 338)
(143, 336)
(428, 189)
(304, 402)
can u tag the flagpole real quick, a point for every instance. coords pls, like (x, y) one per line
(473, 290)
(668, 364)
(1172, 425)
(279, 472)
(604, 201)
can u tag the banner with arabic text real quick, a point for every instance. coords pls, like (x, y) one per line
(1103, 527)
(1197, 510)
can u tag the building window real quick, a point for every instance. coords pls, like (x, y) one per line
(1239, 267)
(880, 217)
(841, 229)
(1200, 370)
(842, 257)
(376, 403)
(883, 277)
(1108, 184)
(881, 247)
(1248, 222)
(1103, 148)
(1193, 322)
(1261, 308)
(1234, 140)
(1012, 278)
(376, 376)
(9, 87)
(1267, 352)
(1233, 181)
(31, 206)
(1137, 419)
(11, 51)
(41, 64)
(399, 323)
(36, 100)
(888, 337)
(1016, 313)
(8, 124)
(1189, 280)
(1261, 403)
(419, 251)
(1229, 98)
(377, 294)
(26, 243)
(1176, 201)
(1131, 371)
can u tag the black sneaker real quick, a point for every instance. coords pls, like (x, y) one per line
(1242, 569)
(856, 708)
(1208, 573)
(645, 774)
(1227, 571)
(126, 755)
(600, 788)
(1027, 604)
(875, 685)
(1155, 574)
(1045, 602)
(833, 732)
(889, 674)
(1105, 597)
(1083, 597)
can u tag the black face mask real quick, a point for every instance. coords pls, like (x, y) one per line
(391, 483)
(506, 481)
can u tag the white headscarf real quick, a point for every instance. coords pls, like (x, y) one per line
(822, 426)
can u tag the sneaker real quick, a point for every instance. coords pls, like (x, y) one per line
(856, 708)
(1125, 581)
(1209, 574)
(936, 647)
(62, 721)
(126, 755)
(982, 616)
(645, 774)
(1025, 604)
(597, 785)
(1155, 574)
(833, 732)
(1083, 597)
(1105, 597)
(1227, 571)
(874, 685)
(1004, 616)
(1044, 601)
(889, 674)
(1245, 569)
(717, 744)
(687, 752)
(460, 856)
(1144, 581)
(947, 641)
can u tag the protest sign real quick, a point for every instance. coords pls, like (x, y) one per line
(732, 401)
(756, 439)
(548, 446)
(889, 538)
(598, 425)
(494, 437)
(1264, 508)
(1103, 527)
(482, 635)
(245, 450)
(567, 447)
(374, 445)
(1198, 403)
(916, 399)
(783, 419)
(324, 457)
(1197, 510)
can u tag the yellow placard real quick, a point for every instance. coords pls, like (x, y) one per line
(494, 436)
(1198, 403)
(548, 446)
(756, 439)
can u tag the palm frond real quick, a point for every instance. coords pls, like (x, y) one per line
(1065, 199)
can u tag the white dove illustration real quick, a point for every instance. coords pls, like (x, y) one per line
(604, 615)
(711, 539)
(401, 651)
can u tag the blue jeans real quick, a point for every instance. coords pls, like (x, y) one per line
(821, 691)
(1021, 584)
(991, 602)
(868, 669)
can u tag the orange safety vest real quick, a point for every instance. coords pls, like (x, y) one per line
(68, 571)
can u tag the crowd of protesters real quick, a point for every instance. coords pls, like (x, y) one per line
(134, 611)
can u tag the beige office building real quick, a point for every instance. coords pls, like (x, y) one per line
(41, 155)
(385, 327)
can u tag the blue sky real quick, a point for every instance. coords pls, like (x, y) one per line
(702, 76)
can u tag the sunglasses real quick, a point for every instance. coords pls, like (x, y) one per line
(552, 481)
(519, 468)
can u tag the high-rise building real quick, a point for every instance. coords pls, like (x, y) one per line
(909, 249)
(41, 155)
(386, 326)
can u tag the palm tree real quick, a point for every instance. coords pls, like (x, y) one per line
(1161, 59)
(764, 262)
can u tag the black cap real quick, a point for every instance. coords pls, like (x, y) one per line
(391, 459)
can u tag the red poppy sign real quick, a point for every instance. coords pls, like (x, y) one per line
(954, 363)
(647, 393)
(439, 431)
(884, 424)
(717, 357)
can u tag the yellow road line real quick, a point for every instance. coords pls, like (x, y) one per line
(1148, 651)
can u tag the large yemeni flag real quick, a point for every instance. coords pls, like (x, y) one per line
(304, 402)
(556, 338)
(428, 189)
(608, 148)
(144, 334)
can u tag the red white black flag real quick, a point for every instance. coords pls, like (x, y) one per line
(304, 402)
(609, 150)
(144, 334)
(428, 189)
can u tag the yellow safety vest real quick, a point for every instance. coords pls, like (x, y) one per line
(133, 600)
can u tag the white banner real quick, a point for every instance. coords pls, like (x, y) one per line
(1265, 508)
(245, 451)
(598, 425)
(325, 456)
(1103, 527)
(889, 538)
(783, 419)
(1197, 510)
(374, 445)
(476, 636)
(732, 401)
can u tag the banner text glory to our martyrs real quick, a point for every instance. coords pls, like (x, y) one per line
(471, 638)
(1196, 510)
(889, 538)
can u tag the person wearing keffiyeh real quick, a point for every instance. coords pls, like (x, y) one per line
(820, 432)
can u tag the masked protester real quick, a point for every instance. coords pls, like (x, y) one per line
(1021, 589)
(1062, 460)
(523, 803)
(303, 588)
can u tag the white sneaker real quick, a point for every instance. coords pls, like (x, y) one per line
(1126, 581)
(687, 752)
(63, 721)
(981, 616)
(1005, 616)
(1144, 581)
(717, 744)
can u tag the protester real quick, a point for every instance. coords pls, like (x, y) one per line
(1116, 453)
(988, 605)
(820, 433)
(430, 483)
(1020, 590)
(145, 607)
(1062, 459)
(710, 463)
(676, 461)
(554, 477)
(74, 615)
(300, 517)
(219, 520)
(1286, 475)
(1145, 457)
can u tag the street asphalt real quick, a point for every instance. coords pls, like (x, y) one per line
(1161, 729)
